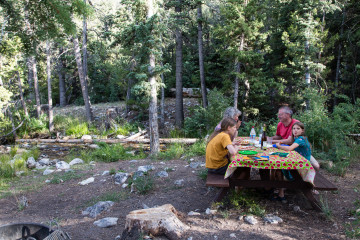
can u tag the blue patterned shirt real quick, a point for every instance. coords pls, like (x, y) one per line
(304, 147)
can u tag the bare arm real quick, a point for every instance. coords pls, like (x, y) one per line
(287, 148)
(232, 149)
(288, 141)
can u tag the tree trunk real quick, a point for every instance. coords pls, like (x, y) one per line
(162, 101)
(338, 61)
(201, 57)
(36, 87)
(129, 86)
(179, 106)
(153, 116)
(236, 83)
(30, 78)
(22, 95)
(12, 122)
(48, 72)
(61, 74)
(1, 81)
(85, 65)
(84, 89)
(238, 72)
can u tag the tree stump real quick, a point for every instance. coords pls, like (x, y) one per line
(157, 221)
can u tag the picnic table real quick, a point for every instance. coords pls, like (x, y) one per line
(305, 178)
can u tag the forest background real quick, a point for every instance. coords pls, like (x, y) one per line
(256, 55)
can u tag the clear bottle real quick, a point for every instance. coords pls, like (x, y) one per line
(252, 135)
(260, 135)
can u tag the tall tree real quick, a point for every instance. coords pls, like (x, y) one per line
(84, 89)
(22, 95)
(201, 55)
(61, 74)
(153, 116)
(48, 73)
(179, 104)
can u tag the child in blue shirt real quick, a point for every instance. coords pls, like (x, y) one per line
(301, 145)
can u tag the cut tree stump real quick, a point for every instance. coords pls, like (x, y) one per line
(161, 220)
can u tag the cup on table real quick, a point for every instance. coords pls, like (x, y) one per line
(269, 140)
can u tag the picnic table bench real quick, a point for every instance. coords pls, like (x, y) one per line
(320, 183)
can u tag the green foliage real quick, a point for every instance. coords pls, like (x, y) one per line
(34, 152)
(204, 120)
(246, 201)
(352, 229)
(6, 169)
(112, 153)
(196, 149)
(77, 128)
(64, 177)
(203, 174)
(144, 184)
(107, 196)
(174, 151)
(325, 207)
(34, 125)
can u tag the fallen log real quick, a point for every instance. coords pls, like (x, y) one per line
(135, 136)
(124, 140)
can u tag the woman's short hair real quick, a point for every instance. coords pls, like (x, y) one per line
(230, 112)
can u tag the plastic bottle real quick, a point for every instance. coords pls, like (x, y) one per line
(252, 135)
(260, 135)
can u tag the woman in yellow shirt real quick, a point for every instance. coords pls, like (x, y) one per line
(220, 147)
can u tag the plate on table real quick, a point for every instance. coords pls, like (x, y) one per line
(245, 142)
(248, 152)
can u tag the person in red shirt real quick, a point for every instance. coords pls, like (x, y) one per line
(284, 127)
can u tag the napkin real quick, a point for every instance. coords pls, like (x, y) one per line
(280, 154)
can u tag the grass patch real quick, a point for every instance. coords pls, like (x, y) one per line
(202, 174)
(247, 201)
(196, 149)
(174, 151)
(325, 208)
(109, 196)
(64, 177)
(352, 229)
(143, 184)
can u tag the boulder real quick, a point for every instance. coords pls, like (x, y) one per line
(161, 220)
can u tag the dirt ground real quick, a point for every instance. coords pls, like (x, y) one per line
(65, 201)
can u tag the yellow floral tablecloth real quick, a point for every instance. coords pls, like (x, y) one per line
(293, 161)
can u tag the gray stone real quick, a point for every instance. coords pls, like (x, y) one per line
(193, 213)
(48, 171)
(98, 208)
(195, 164)
(162, 174)
(94, 146)
(31, 163)
(120, 177)
(76, 161)
(146, 168)
(106, 222)
(44, 161)
(105, 173)
(87, 181)
(179, 182)
(272, 219)
(86, 137)
(62, 165)
(250, 220)
(138, 174)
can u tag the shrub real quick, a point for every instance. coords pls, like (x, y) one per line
(174, 151)
(144, 184)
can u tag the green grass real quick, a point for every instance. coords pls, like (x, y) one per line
(144, 184)
(325, 208)
(66, 176)
(109, 196)
(246, 201)
(202, 174)
(352, 229)
(196, 149)
(174, 151)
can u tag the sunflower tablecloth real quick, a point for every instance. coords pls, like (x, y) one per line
(293, 161)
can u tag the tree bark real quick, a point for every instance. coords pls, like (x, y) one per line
(85, 64)
(36, 87)
(83, 84)
(201, 56)
(162, 101)
(338, 60)
(238, 72)
(153, 116)
(30, 78)
(129, 85)
(61, 74)
(179, 106)
(22, 95)
(48, 72)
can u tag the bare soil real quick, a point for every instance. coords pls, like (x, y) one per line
(65, 201)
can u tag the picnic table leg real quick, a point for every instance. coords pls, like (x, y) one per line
(222, 193)
(314, 203)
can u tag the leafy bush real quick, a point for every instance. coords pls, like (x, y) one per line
(77, 129)
(196, 149)
(174, 151)
(6, 170)
(246, 201)
(144, 184)
(34, 125)
(203, 121)
(113, 153)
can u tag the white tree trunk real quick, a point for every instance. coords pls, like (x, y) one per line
(48, 72)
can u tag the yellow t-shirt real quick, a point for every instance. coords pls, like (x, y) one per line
(216, 151)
